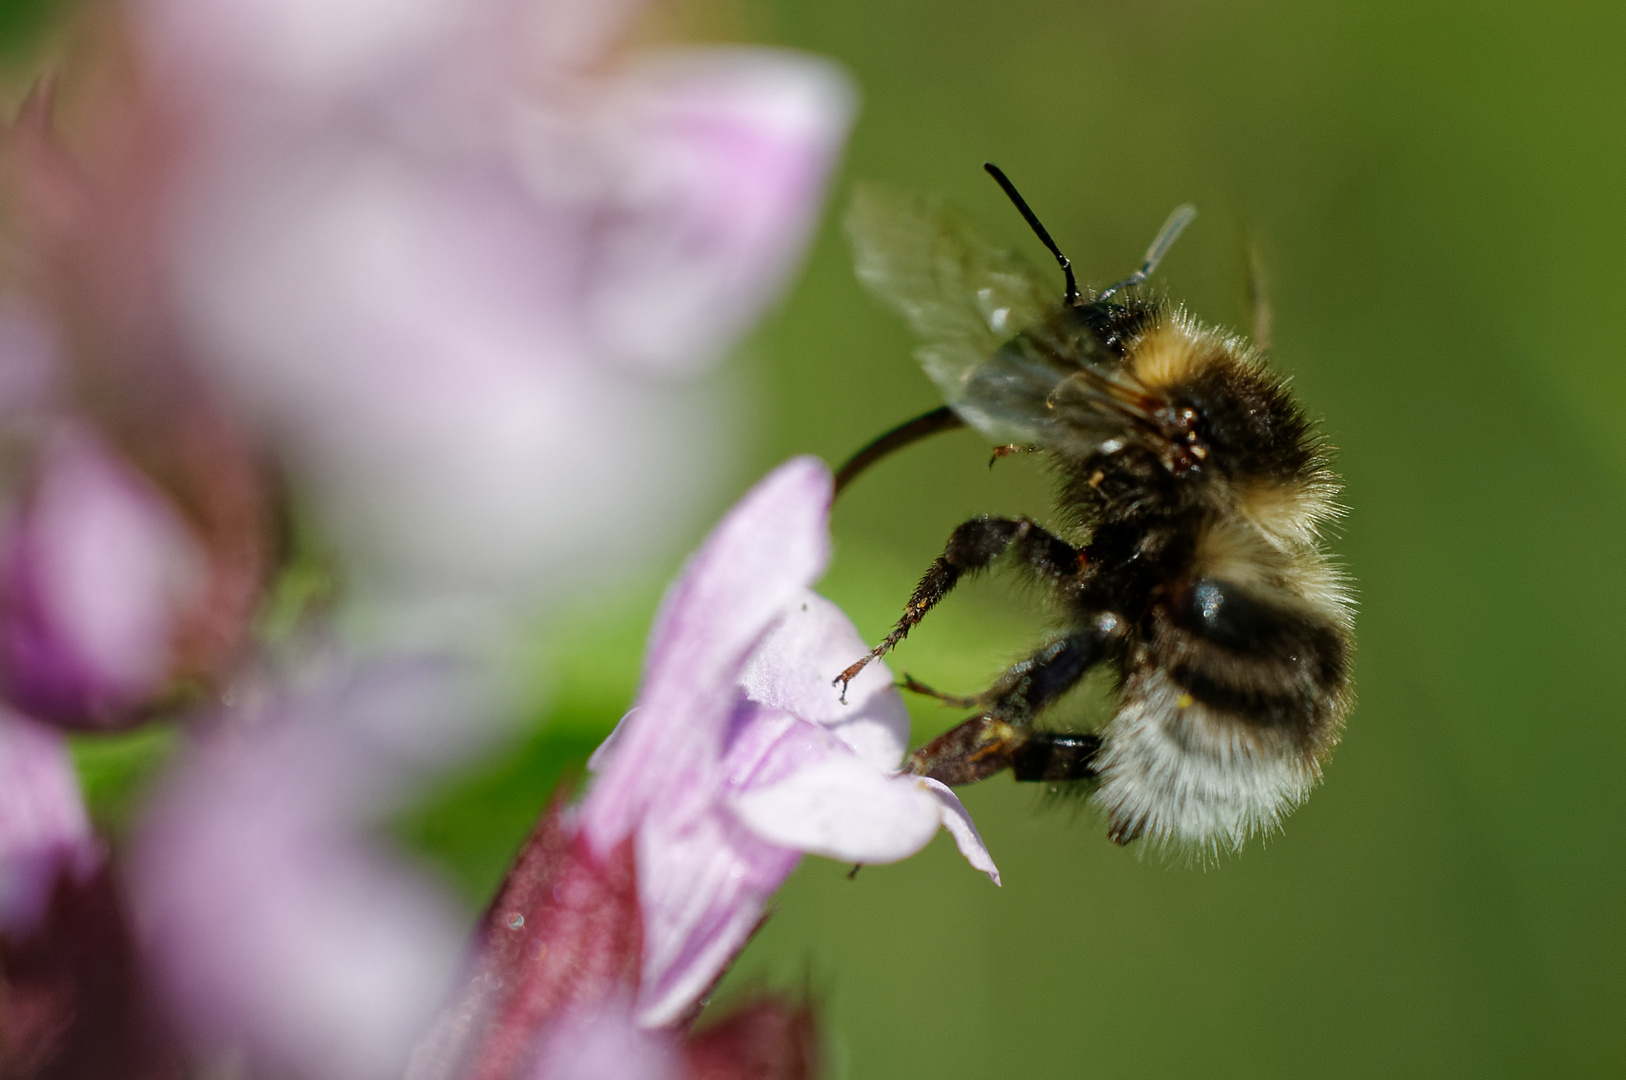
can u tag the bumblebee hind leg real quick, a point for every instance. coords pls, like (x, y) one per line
(1002, 736)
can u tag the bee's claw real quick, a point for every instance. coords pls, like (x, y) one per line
(841, 681)
(1007, 450)
(849, 675)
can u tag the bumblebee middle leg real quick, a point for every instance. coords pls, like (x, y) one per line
(1002, 737)
(970, 548)
(955, 701)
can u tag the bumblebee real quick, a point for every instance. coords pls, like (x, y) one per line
(1193, 492)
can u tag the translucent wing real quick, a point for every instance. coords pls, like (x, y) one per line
(966, 298)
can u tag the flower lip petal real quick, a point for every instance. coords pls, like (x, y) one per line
(844, 809)
(792, 670)
(957, 820)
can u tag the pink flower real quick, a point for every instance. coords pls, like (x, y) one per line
(277, 925)
(739, 756)
(459, 258)
(454, 282)
(97, 571)
(44, 834)
(446, 262)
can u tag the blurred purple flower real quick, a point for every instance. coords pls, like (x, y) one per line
(44, 833)
(739, 757)
(451, 270)
(278, 927)
(448, 258)
(136, 532)
(96, 571)
(455, 255)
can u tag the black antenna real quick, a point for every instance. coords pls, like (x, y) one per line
(1038, 230)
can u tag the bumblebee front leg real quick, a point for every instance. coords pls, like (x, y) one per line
(1002, 737)
(970, 548)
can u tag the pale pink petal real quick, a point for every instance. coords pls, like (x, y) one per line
(737, 759)
(704, 877)
(410, 330)
(97, 566)
(957, 820)
(844, 809)
(607, 1044)
(43, 828)
(280, 929)
(297, 47)
(794, 668)
(702, 883)
(763, 554)
(713, 211)
(764, 746)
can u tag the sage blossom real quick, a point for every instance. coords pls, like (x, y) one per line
(460, 277)
(621, 913)
(463, 261)
(437, 281)
(739, 756)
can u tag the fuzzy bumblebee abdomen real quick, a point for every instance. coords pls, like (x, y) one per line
(1231, 700)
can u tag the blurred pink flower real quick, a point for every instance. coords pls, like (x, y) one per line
(739, 756)
(449, 258)
(622, 913)
(278, 926)
(459, 259)
(96, 572)
(44, 833)
(416, 268)
(136, 528)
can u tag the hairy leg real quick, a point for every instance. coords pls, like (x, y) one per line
(953, 701)
(970, 548)
(999, 738)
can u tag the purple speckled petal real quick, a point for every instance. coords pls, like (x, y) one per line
(43, 828)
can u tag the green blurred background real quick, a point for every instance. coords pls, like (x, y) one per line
(1436, 193)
